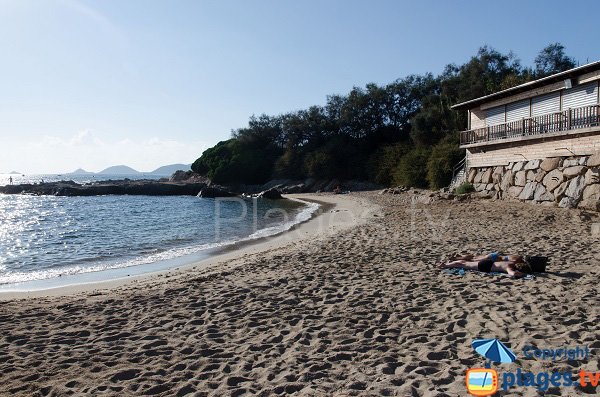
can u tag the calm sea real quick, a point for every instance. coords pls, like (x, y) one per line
(45, 237)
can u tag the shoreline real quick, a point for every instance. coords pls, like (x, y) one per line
(321, 222)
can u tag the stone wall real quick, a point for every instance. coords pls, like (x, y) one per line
(568, 182)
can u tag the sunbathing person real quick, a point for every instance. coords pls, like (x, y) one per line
(513, 265)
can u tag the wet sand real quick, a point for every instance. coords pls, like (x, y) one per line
(349, 307)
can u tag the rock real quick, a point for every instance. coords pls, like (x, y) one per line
(299, 188)
(592, 176)
(550, 164)
(486, 177)
(520, 178)
(541, 194)
(528, 191)
(497, 174)
(514, 191)
(583, 160)
(567, 202)
(271, 194)
(530, 176)
(574, 171)
(559, 192)
(214, 192)
(532, 165)
(575, 188)
(478, 176)
(570, 162)
(479, 187)
(553, 180)
(507, 181)
(518, 166)
(592, 192)
(590, 204)
(594, 160)
(483, 195)
(539, 177)
(489, 186)
(471, 175)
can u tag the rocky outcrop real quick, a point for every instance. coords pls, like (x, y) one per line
(215, 192)
(572, 182)
(271, 194)
(115, 187)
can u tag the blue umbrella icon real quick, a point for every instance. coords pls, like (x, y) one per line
(493, 350)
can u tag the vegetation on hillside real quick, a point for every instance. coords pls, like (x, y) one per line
(400, 133)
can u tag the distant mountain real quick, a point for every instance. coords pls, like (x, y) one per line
(14, 173)
(119, 170)
(80, 171)
(170, 169)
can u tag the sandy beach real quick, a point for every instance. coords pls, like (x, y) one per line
(351, 303)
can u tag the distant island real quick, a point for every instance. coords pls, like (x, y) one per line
(14, 173)
(165, 170)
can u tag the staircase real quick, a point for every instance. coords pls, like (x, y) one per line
(459, 174)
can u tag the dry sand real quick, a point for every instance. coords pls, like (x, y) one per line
(350, 304)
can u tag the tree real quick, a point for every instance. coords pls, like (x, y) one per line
(551, 60)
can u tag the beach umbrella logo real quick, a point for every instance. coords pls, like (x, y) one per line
(484, 381)
(494, 351)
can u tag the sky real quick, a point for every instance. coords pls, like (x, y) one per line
(146, 83)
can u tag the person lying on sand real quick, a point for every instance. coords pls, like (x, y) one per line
(513, 265)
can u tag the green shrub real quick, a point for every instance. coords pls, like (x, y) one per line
(465, 187)
(444, 156)
(412, 169)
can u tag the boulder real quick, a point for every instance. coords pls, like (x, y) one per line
(507, 181)
(514, 191)
(530, 176)
(271, 194)
(592, 192)
(478, 176)
(594, 160)
(592, 176)
(497, 174)
(559, 192)
(520, 178)
(553, 179)
(539, 177)
(541, 194)
(589, 204)
(550, 164)
(479, 187)
(532, 165)
(583, 160)
(471, 175)
(528, 191)
(571, 162)
(214, 192)
(567, 202)
(487, 176)
(570, 172)
(575, 188)
(518, 166)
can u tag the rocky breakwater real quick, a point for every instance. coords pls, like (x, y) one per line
(571, 182)
(113, 187)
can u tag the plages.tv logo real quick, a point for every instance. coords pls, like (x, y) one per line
(484, 381)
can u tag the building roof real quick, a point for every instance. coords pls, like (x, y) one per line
(571, 73)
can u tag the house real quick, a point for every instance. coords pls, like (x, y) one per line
(538, 141)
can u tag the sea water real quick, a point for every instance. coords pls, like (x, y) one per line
(45, 237)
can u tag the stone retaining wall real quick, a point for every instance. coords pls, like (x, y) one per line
(569, 182)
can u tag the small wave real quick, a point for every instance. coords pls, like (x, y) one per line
(20, 277)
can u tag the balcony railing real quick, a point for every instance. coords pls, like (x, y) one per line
(583, 117)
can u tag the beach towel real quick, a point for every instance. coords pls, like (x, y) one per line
(462, 272)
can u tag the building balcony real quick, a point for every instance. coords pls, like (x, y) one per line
(572, 121)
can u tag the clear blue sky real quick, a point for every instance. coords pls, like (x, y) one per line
(146, 83)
